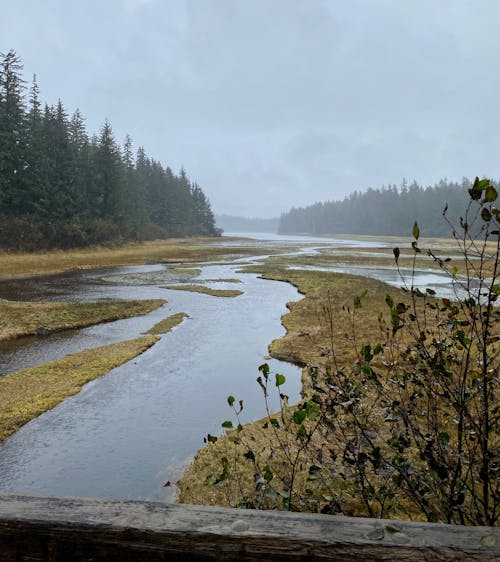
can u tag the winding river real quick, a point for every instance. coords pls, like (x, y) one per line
(127, 433)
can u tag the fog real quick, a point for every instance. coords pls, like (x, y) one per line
(274, 103)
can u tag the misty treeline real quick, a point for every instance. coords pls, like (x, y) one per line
(61, 188)
(390, 210)
(231, 223)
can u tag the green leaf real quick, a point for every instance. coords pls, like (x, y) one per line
(280, 379)
(230, 400)
(274, 422)
(228, 424)
(485, 214)
(312, 410)
(342, 485)
(416, 230)
(264, 369)
(268, 475)
(475, 190)
(299, 416)
(389, 301)
(444, 437)
(491, 194)
(401, 308)
(496, 289)
(483, 184)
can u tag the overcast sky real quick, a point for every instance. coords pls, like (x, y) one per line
(270, 104)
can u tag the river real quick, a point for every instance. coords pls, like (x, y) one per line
(128, 432)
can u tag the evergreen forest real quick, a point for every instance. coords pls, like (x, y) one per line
(390, 210)
(62, 188)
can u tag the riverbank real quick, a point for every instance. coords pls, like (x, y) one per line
(26, 394)
(318, 330)
(18, 319)
(178, 250)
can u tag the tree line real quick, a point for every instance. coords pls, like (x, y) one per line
(390, 210)
(62, 188)
(232, 223)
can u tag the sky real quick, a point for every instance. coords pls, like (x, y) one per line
(270, 104)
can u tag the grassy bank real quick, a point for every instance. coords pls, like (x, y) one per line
(205, 290)
(168, 324)
(172, 250)
(19, 319)
(384, 257)
(315, 325)
(26, 394)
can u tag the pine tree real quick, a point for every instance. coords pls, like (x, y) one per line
(110, 177)
(12, 134)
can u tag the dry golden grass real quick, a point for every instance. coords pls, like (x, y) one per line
(26, 394)
(307, 342)
(19, 319)
(223, 280)
(384, 257)
(168, 324)
(171, 250)
(316, 326)
(205, 290)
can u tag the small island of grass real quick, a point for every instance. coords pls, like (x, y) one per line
(18, 319)
(168, 324)
(205, 290)
(26, 394)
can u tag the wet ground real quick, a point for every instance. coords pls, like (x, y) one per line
(128, 432)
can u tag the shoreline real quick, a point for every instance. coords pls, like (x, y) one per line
(304, 343)
(26, 394)
(21, 319)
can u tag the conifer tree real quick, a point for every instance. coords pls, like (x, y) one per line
(12, 134)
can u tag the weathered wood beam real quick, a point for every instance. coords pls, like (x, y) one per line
(76, 529)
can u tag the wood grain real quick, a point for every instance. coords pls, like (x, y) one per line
(83, 529)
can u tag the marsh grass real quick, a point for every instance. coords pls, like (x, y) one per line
(222, 280)
(18, 319)
(175, 250)
(192, 272)
(377, 257)
(205, 290)
(307, 342)
(168, 324)
(26, 394)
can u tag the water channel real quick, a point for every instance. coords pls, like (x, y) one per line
(128, 432)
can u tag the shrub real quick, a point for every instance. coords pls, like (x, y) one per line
(411, 428)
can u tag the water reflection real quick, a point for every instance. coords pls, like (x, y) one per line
(127, 432)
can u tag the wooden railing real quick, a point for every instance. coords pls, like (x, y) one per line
(75, 529)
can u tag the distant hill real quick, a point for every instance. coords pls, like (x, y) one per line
(231, 223)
